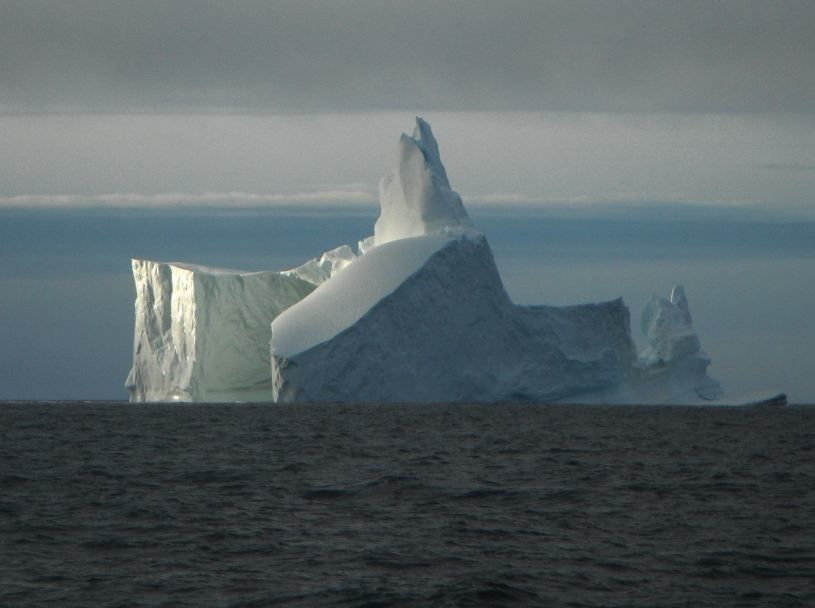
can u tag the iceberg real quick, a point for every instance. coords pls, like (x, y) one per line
(416, 313)
(427, 319)
(202, 334)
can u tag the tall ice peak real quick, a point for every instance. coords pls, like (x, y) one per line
(416, 198)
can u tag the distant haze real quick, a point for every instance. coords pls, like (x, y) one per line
(760, 163)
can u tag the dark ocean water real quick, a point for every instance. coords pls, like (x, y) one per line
(352, 506)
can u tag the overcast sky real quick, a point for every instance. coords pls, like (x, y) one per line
(362, 55)
(744, 163)
(250, 102)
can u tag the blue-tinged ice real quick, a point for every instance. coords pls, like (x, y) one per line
(417, 313)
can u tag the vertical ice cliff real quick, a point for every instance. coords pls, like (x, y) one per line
(202, 334)
(417, 314)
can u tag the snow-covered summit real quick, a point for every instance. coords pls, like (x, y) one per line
(416, 198)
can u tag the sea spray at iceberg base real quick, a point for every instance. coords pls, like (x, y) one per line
(417, 313)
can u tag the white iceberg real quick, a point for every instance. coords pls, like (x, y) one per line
(202, 334)
(427, 319)
(417, 314)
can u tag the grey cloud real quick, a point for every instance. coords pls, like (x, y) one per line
(788, 166)
(346, 55)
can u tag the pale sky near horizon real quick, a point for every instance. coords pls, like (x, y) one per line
(762, 162)
(562, 100)
(698, 110)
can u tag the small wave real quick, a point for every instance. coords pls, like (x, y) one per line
(485, 594)
(8, 481)
(482, 493)
(212, 476)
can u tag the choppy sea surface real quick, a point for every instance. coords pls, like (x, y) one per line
(334, 505)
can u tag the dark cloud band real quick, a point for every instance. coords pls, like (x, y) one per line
(361, 55)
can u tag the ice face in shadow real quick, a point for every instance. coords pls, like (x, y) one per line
(444, 331)
(673, 365)
(668, 327)
(418, 314)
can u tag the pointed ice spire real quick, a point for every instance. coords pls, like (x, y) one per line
(679, 300)
(416, 198)
(668, 326)
(423, 135)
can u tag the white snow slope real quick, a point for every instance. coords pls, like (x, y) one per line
(346, 298)
(445, 332)
(418, 314)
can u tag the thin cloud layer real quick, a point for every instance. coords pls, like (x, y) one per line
(317, 159)
(506, 204)
(186, 199)
(363, 55)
